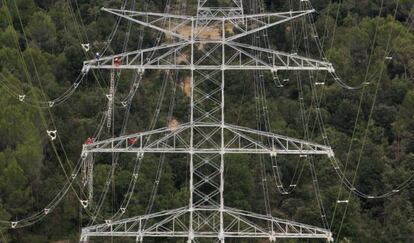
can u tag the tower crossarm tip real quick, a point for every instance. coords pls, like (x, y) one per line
(282, 228)
(139, 142)
(274, 143)
(259, 22)
(166, 23)
(281, 61)
(281, 15)
(137, 59)
(146, 14)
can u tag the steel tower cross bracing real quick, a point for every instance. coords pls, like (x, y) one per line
(207, 46)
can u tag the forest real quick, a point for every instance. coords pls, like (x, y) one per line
(48, 110)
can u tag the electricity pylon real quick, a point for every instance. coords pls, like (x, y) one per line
(206, 46)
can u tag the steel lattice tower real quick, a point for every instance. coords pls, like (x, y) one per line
(206, 46)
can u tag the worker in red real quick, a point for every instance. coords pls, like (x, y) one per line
(89, 141)
(132, 141)
(117, 61)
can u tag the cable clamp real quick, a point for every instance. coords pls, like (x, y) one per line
(51, 103)
(84, 203)
(14, 224)
(52, 134)
(46, 210)
(86, 47)
(21, 98)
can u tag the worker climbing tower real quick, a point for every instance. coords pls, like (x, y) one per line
(207, 47)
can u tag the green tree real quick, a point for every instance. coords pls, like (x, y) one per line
(15, 190)
(42, 31)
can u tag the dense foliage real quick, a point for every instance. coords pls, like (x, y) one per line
(41, 56)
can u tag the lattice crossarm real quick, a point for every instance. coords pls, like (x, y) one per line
(151, 19)
(176, 140)
(139, 142)
(135, 225)
(265, 21)
(278, 144)
(132, 13)
(280, 60)
(135, 58)
(281, 228)
(240, 224)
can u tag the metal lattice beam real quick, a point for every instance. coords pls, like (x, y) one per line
(237, 140)
(238, 224)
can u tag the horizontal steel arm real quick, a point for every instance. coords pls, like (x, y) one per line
(137, 59)
(169, 23)
(283, 15)
(239, 140)
(259, 22)
(204, 67)
(281, 60)
(164, 21)
(132, 13)
(239, 224)
(175, 57)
